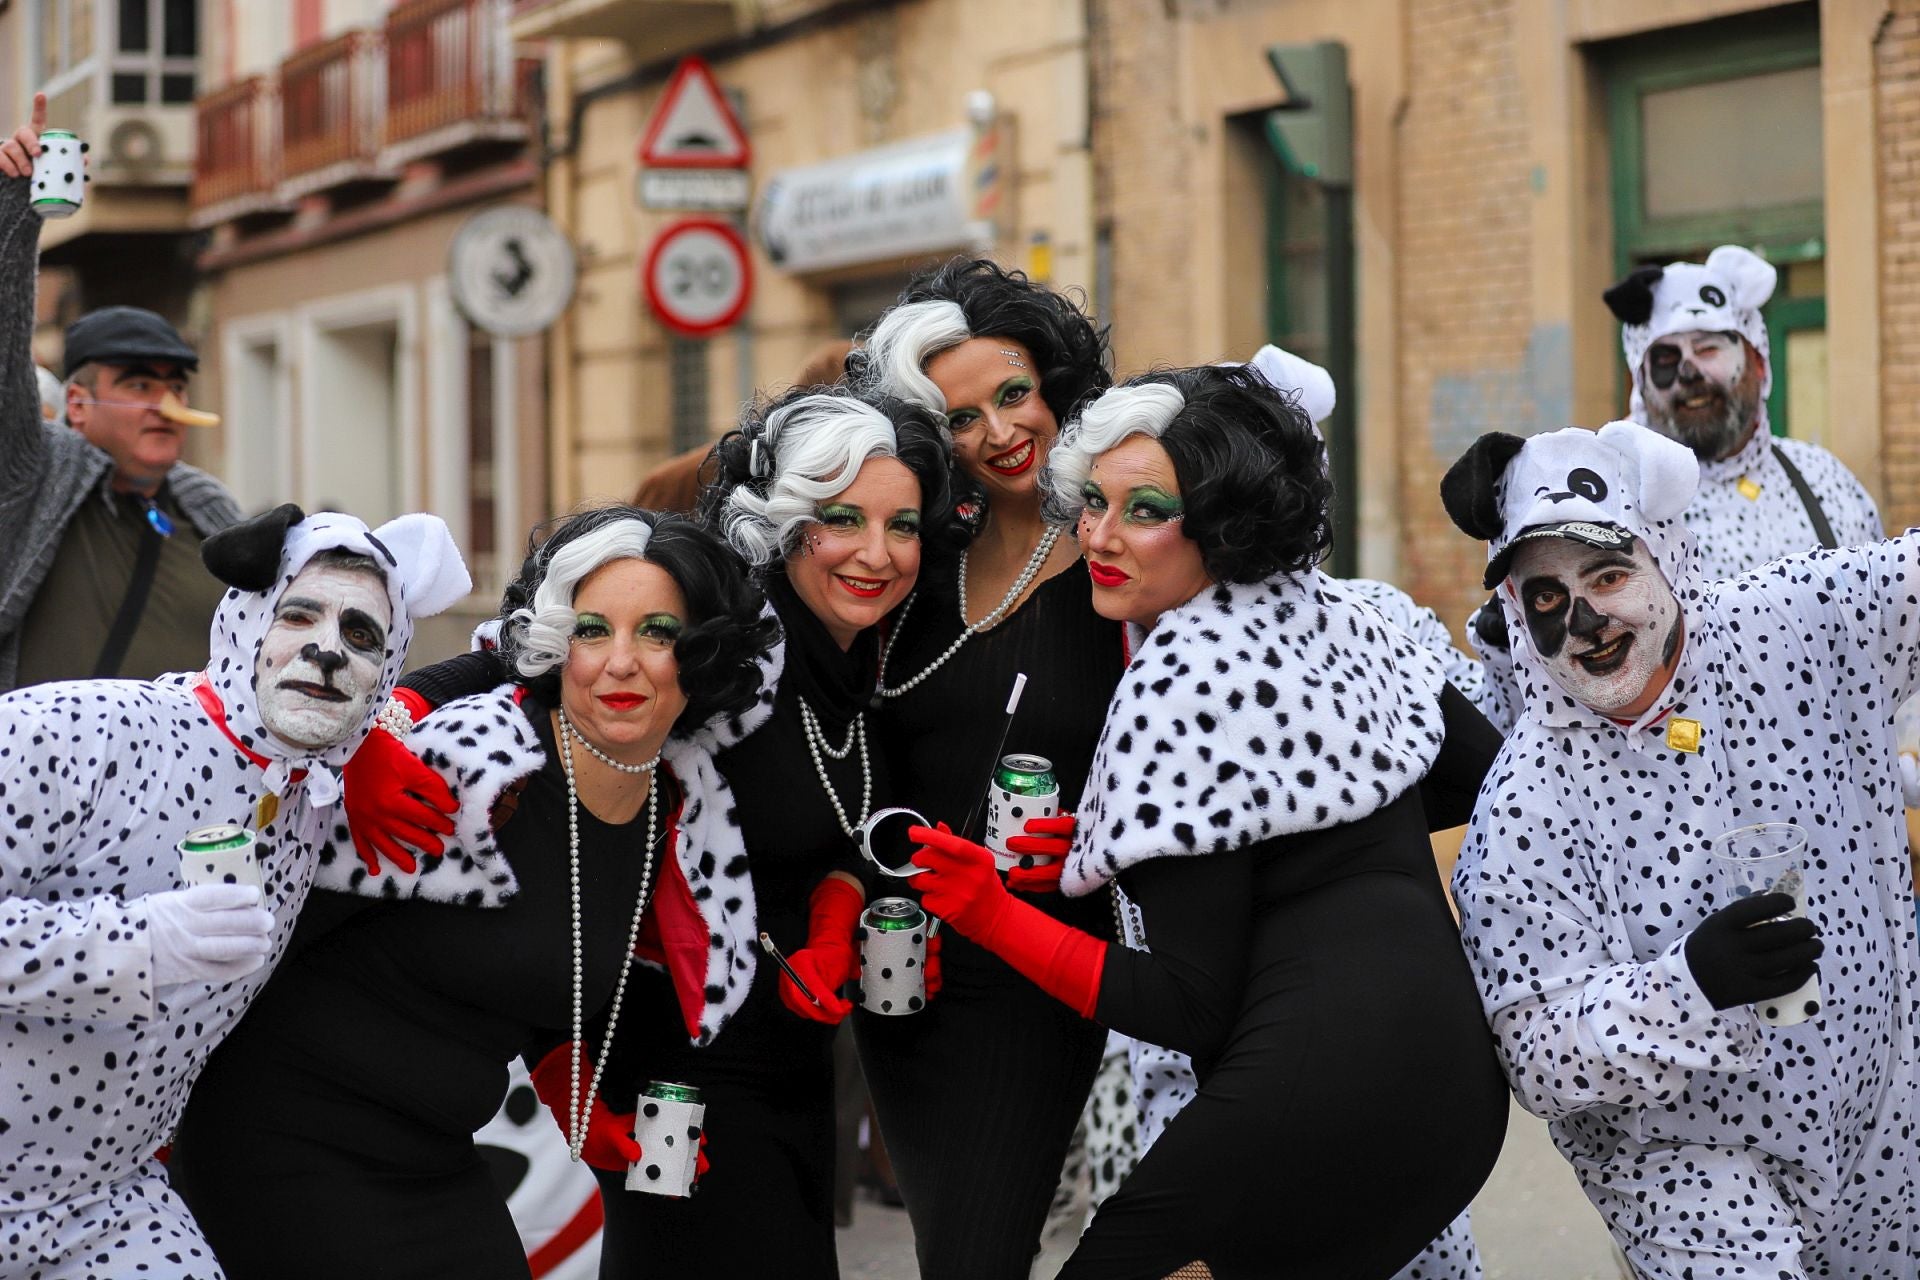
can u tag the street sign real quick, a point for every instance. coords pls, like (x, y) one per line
(693, 127)
(726, 190)
(510, 270)
(697, 277)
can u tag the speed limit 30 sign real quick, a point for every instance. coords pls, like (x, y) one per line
(697, 277)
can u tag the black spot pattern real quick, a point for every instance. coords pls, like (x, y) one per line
(1712, 1144)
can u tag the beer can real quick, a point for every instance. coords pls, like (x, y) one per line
(1023, 787)
(220, 854)
(667, 1125)
(59, 174)
(893, 956)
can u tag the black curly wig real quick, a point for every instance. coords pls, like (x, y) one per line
(718, 651)
(1252, 470)
(921, 444)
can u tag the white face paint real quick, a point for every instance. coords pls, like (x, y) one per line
(1606, 623)
(321, 660)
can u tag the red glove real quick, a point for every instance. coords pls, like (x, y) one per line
(931, 970)
(610, 1144)
(1049, 838)
(392, 797)
(829, 959)
(962, 887)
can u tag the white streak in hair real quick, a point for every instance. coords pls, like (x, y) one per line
(1143, 409)
(544, 629)
(819, 443)
(905, 339)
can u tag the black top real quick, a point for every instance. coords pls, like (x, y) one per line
(940, 736)
(419, 1007)
(1205, 916)
(793, 840)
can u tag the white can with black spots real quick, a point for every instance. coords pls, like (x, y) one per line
(59, 175)
(220, 854)
(893, 956)
(1023, 788)
(667, 1125)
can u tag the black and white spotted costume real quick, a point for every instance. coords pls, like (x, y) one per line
(1712, 1144)
(1746, 511)
(1286, 731)
(1162, 1078)
(98, 781)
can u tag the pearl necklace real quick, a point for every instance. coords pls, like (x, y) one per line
(606, 759)
(580, 1108)
(967, 630)
(817, 743)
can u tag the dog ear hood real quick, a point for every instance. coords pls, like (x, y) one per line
(247, 555)
(1470, 489)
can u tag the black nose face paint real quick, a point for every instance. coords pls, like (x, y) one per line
(327, 660)
(1585, 623)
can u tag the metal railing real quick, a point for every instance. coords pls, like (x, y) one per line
(330, 99)
(236, 143)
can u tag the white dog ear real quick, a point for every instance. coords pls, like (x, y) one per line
(1290, 373)
(433, 577)
(1753, 276)
(1667, 471)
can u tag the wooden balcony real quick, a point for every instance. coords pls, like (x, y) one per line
(331, 100)
(236, 152)
(451, 77)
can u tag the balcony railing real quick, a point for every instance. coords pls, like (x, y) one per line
(450, 67)
(330, 99)
(236, 144)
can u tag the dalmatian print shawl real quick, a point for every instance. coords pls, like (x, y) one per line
(99, 779)
(1586, 866)
(483, 743)
(1255, 710)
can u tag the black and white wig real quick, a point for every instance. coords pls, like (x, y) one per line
(977, 298)
(1252, 469)
(793, 454)
(720, 644)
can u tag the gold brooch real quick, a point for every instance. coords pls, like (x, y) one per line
(1684, 735)
(1749, 489)
(266, 811)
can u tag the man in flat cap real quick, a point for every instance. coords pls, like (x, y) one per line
(100, 571)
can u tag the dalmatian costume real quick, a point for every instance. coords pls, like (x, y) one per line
(1746, 510)
(98, 781)
(1711, 1144)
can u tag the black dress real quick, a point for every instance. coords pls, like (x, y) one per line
(765, 1207)
(332, 1134)
(978, 1094)
(1350, 1100)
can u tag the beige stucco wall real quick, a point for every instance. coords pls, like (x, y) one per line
(892, 73)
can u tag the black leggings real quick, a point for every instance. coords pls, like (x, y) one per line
(764, 1208)
(977, 1096)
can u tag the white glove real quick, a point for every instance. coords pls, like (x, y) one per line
(1909, 778)
(207, 933)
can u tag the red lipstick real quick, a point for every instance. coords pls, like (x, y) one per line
(1105, 575)
(622, 701)
(860, 587)
(1024, 465)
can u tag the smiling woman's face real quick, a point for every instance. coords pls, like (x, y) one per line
(1001, 427)
(321, 659)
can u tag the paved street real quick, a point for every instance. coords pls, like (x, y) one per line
(1531, 1221)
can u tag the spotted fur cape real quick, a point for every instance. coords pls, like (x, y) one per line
(1255, 710)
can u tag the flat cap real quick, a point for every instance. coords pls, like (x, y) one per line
(125, 335)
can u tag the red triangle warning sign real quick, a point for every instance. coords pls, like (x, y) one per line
(693, 127)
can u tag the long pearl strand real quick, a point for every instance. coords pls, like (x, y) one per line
(580, 1108)
(817, 743)
(968, 630)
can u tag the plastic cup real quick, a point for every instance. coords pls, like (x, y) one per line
(1766, 858)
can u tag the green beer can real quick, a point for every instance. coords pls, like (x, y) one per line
(1023, 788)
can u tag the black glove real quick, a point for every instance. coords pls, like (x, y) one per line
(1741, 954)
(1490, 626)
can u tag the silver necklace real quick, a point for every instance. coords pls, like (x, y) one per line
(578, 1107)
(967, 630)
(817, 743)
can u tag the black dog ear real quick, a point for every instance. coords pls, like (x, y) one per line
(247, 555)
(1631, 301)
(1468, 490)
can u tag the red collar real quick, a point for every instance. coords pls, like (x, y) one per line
(217, 712)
